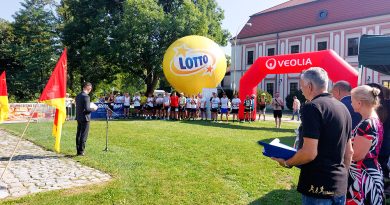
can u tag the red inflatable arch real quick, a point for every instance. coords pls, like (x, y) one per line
(337, 69)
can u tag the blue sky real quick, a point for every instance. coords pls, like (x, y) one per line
(237, 12)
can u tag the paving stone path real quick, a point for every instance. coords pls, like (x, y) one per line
(35, 170)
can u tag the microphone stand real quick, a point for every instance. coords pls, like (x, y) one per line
(107, 109)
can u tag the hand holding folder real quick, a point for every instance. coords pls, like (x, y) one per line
(276, 149)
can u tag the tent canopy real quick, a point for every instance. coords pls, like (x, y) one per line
(374, 53)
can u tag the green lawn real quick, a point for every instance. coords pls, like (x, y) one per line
(164, 162)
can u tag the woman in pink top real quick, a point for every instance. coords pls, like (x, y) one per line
(365, 185)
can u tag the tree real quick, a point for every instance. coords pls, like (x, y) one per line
(148, 27)
(35, 47)
(6, 38)
(7, 57)
(86, 27)
(290, 98)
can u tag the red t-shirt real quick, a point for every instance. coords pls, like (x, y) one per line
(175, 101)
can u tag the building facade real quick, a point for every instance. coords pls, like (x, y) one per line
(304, 26)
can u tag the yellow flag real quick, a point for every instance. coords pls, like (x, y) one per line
(4, 106)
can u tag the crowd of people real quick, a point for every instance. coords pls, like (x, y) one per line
(177, 106)
(344, 142)
(343, 148)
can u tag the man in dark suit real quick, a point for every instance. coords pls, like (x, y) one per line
(83, 116)
(342, 92)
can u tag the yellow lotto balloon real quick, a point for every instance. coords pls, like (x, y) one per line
(194, 62)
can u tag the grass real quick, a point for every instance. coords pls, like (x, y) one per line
(164, 162)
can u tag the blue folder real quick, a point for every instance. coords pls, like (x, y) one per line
(275, 151)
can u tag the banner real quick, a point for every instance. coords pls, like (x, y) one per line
(336, 67)
(101, 112)
(21, 112)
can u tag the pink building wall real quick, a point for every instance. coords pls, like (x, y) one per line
(336, 35)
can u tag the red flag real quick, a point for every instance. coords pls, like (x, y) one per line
(54, 95)
(4, 106)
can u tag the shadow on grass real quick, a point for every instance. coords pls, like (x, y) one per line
(239, 126)
(26, 157)
(280, 196)
(285, 140)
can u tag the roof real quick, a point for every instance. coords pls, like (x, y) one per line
(299, 14)
(287, 4)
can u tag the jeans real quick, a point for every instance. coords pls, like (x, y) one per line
(337, 200)
(296, 112)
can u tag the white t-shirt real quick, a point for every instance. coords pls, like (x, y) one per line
(167, 101)
(188, 102)
(68, 102)
(296, 104)
(127, 101)
(137, 101)
(224, 103)
(215, 102)
(119, 99)
(182, 101)
(150, 101)
(159, 101)
(194, 103)
(236, 103)
(202, 102)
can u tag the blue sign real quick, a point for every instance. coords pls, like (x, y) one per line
(101, 112)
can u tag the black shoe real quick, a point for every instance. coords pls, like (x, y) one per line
(80, 154)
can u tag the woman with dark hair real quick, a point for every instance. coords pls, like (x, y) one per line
(384, 115)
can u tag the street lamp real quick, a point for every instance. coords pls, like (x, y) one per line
(235, 56)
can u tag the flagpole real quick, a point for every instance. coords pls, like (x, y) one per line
(20, 139)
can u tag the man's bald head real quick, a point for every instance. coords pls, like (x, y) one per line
(341, 89)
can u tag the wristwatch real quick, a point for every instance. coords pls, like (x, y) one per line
(286, 165)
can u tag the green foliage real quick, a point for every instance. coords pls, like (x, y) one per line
(289, 98)
(85, 29)
(111, 43)
(7, 57)
(124, 82)
(166, 162)
(33, 49)
(268, 97)
(148, 27)
(228, 61)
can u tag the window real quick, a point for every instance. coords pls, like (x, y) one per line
(270, 88)
(271, 52)
(386, 83)
(322, 46)
(322, 14)
(249, 58)
(293, 87)
(294, 49)
(353, 46)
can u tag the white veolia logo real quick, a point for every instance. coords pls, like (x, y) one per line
(270, 63)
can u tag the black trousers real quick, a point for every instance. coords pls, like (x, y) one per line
(383, 162)
(82, 135)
